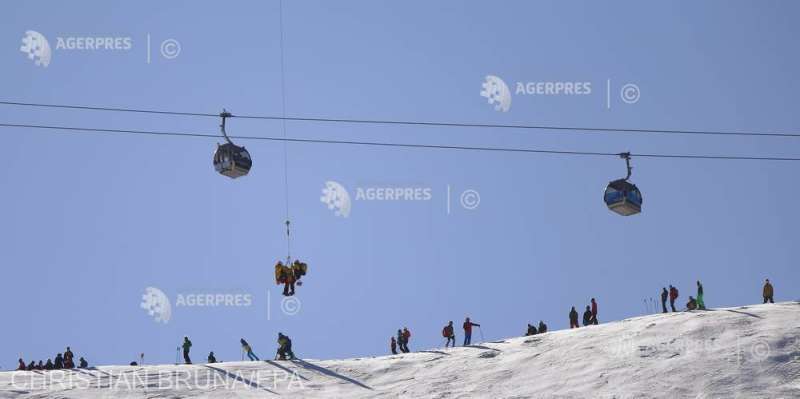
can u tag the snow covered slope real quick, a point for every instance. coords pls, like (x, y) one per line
(747, 352)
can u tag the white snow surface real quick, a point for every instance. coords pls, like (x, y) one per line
(744, 352)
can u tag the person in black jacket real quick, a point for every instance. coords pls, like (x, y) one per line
(542, 327)
(587, 316)
(59, 362)
(531, 330)
(573, 318)
(664, 295)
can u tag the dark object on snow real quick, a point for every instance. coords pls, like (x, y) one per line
(542, 327)
(468, 331)
(49, 365)
(769, 292)
(22, 366)
(692, 304)
(531, 330)
(59, 362)
(134, 364)
(673, 295)
(587, 316)
(449, 332)
(664, 295)
(284, 347)
(573, 318)
(83, 363)
(211, 358)
(187, 345)
(69, 363)
(393, 345)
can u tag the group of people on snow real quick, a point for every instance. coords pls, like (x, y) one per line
(289, 275)
(284, 350)
(589, 316)
(403, 336)
(532, 330)
(65, 361)
(449, 332)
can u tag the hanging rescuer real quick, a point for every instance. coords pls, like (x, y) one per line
(290, 273)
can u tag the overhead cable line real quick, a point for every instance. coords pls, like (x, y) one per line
(74, 129)
(575, 129)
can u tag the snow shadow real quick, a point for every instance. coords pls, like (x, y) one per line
(482, 347)
(286, 369)
(323, 370)
(745, 313)
(436, 352)
(239, 378)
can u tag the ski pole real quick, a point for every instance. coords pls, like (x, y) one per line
(177, 354)
(480, 330)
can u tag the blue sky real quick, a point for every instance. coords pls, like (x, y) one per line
(90, 220)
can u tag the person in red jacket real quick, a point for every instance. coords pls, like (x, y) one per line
(673, 295)
(406, 338)
(594, 312)
(468, 331)
(22, 366)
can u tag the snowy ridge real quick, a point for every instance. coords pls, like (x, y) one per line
(747, 352)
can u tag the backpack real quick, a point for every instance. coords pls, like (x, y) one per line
(280, 278)
(445, 333)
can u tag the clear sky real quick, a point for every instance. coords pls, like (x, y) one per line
(88, 221)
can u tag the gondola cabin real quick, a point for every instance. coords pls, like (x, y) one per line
(623, 197)
(232, 161)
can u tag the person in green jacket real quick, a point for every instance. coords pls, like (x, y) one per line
(700, 302)
(186, 345)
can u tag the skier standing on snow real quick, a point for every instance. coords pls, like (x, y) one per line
(573, 318)
(246, 348)
(673, 295)
(68, 362)
(406, 338)
(393, 346)
(285, 347)
(701, 304)
(542, 327)
(400, 341)
(587, 316)
(82, 363)
(212, 358)
(664, 295)
(186, 346)
(22, 366)
(468, 331)
(449, 333)
(768, 292)
(594, 312)
(59, 362)
(49, 365)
